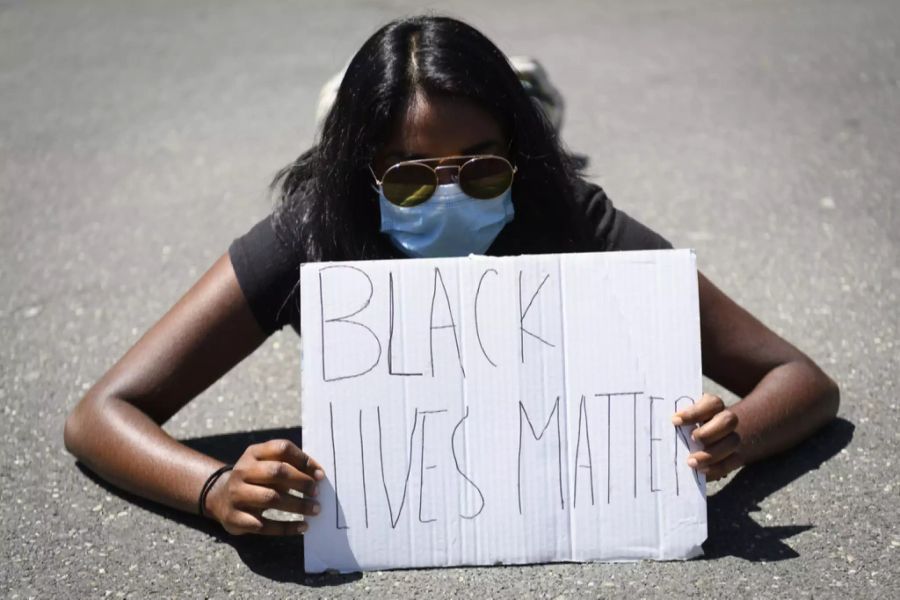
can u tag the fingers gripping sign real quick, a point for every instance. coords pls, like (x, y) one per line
(715, 429)
(298, 467)
(264, 478)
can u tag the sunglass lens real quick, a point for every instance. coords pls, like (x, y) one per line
(486, 178)
(409, 184)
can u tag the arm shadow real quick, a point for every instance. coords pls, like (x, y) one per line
(732, 532)
(276, 558)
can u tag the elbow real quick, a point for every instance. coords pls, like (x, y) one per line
(828, 395)
(72, 430)
(821, 393)
(831, 398)
(77, 428)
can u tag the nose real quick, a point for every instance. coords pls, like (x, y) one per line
(447, 174)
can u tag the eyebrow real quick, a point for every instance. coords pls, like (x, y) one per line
(477, 148)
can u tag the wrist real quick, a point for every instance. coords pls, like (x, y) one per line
(211, 499)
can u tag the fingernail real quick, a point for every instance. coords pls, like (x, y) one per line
(319, 474)
(314, 491)
(692, 462)
(677, 420)
(315, 509)
(302, 527)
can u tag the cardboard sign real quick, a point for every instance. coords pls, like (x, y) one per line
(482, 410)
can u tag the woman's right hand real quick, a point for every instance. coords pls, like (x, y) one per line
(259, 481)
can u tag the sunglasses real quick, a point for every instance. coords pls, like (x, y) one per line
(412, 182)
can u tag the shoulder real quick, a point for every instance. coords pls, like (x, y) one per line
(608, 228)
(268, 272)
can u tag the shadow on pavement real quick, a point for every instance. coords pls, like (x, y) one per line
(731, 530)
(276, 558)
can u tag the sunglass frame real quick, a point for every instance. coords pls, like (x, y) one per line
(434, 170)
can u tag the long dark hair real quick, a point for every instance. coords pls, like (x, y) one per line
(326, 203)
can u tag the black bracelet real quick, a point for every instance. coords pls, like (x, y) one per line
(210, 482)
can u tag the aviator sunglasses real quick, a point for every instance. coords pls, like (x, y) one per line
(412, 182)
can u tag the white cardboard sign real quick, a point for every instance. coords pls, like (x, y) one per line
(483, 410)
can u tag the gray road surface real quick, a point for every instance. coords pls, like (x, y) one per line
(137, 139)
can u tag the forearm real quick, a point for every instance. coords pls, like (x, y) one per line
(787, 405)
(127, 448)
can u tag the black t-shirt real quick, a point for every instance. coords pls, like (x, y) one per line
(269, 272)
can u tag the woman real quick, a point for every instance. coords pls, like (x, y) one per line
(420, 88)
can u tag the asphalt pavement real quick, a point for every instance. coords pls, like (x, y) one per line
(137, 140)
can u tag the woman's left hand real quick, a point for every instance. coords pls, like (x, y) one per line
(716, 433)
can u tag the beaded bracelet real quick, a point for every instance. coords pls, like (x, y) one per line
(210, 482)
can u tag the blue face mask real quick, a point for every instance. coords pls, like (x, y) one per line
(449, 223)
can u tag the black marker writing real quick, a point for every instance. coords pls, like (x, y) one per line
(608, 397)
(460, 471)
(524, 414)
(477, 330)
(652, 440)
(362, 461)
(608, 446)
(390, 356)
(583, 425)
(679, 432)
(452, 325)
(523, 313)
(334, 473)
(345, 319)
(422, 466)
(634, 438)
(396, 519)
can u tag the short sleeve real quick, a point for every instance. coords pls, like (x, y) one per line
(610, 229)
(268, 273)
